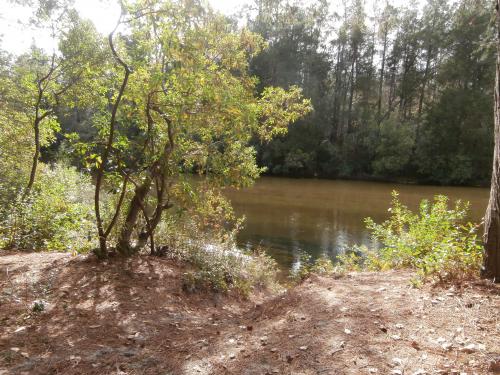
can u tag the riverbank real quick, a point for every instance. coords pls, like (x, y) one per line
(73, 315)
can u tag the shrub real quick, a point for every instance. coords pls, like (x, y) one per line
(204, 237)
(58, 215)
(320, 266)
(436, 240)
(223, 268)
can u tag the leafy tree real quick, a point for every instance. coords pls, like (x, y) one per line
(181, 101)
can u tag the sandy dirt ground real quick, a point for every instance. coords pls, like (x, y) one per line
(72, 315)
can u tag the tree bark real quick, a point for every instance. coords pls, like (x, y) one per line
(491, 267)
(136, 204)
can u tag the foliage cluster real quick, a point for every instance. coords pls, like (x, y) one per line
(58, 215)
(436, 241)
(322, 265)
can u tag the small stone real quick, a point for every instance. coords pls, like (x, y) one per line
(399, 326)
(397, 372)
(274, 350)
(347, 331)
(19, 329)
(397, 361)
(303, 348)
(232, 356)
(372, 370)
(16, 350)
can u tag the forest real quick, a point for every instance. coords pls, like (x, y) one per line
(398, 92)
(154, 177)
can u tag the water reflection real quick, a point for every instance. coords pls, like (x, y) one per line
(288, 216)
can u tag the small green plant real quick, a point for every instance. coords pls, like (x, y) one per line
(320, 266)
(436, 240)
(38, 306)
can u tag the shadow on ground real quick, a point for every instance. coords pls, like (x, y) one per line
(132, 317)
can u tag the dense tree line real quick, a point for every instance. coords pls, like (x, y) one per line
(398, 93)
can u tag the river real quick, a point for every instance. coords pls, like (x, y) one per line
(289, 216)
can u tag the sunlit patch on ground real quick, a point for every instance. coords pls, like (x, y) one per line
(132, 317)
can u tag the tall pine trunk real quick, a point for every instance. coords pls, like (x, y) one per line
(492, 217)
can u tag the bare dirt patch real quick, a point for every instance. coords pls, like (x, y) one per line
(132, 317)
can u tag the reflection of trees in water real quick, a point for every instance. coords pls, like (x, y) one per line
(294, 224)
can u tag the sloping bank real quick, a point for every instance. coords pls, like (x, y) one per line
(73, 315)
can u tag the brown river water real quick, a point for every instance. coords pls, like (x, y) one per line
(290, 216)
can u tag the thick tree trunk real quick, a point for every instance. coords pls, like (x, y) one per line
(492, 217)
(124, 245)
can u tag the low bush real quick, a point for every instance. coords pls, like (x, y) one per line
(204, 237)
(322, 265)
(437, 241)
(57, 216)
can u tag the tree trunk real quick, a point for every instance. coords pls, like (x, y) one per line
(352, 79)
(382, 70)
(36, 156)
(492, 218)
(103, 234)
(124, 245)
(424, 83)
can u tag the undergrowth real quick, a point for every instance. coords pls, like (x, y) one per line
(437, 241)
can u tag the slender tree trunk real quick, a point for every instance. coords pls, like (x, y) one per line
(103, 234)
(381, 82)
(352, 79)
(424, 83)
(36, 156)
(337, 94)
(41, 85)
(492, 218)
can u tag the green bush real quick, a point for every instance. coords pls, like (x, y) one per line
(57, 216)
(320, 266)
(437, 240)
(204, 237)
